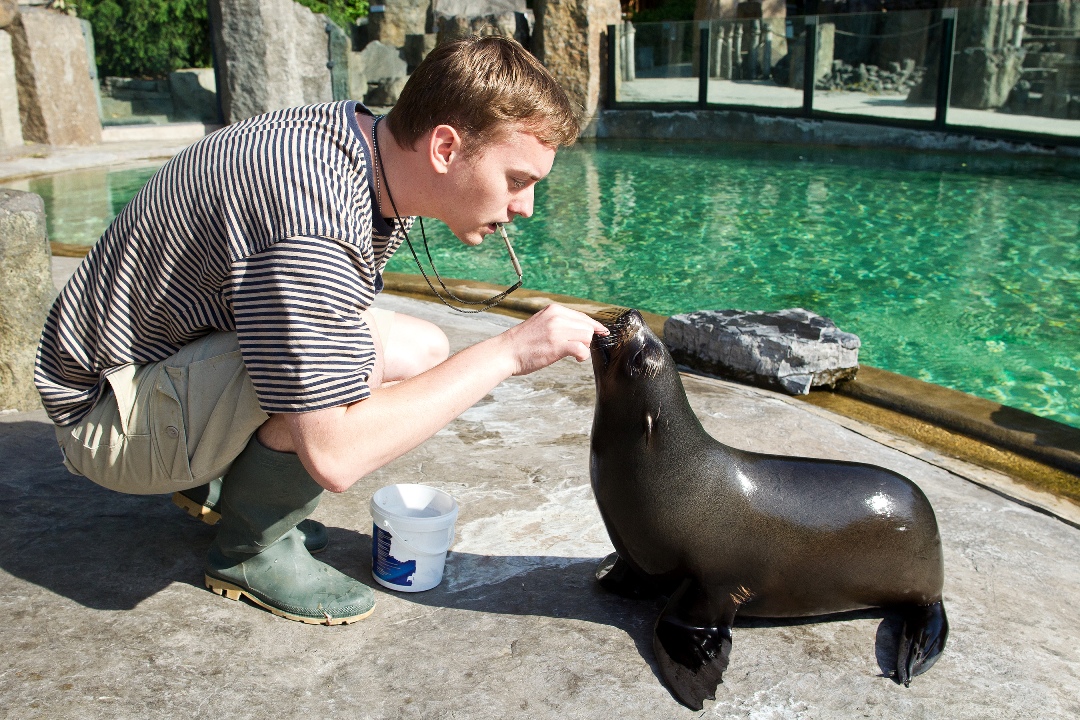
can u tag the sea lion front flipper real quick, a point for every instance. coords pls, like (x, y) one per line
(691, 651)
(617, 577)
(922, 640)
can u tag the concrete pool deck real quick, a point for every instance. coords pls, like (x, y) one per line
(107, 616)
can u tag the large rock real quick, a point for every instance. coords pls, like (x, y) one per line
(570, 38)
(272, 54)
(397, 19)
(384, 71)
(457, 18)
(10, 124)
(57, 103)
(793, 349)
(823, 61)
(8, 10)
(194, 95)
(986, 76)
(26, 292)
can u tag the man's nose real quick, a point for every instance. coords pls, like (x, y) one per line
(522, 205)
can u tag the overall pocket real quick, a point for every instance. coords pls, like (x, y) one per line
(167, 428)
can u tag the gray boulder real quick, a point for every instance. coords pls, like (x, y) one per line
(10, 123)
(384, 71)
(792, 349)
(56, 94)
(271, 54)
(457, 18)
(8, 10)
(194, 94)
(382, 62)
(397, 19)
(26, 293)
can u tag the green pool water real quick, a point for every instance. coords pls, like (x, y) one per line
(962, 271)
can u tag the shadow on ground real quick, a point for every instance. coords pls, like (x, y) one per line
(108, 551)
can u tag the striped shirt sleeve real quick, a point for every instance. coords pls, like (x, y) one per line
(297, 307)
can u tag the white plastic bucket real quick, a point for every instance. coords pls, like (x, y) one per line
(412, 528)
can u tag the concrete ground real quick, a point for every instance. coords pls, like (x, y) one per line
(107, 615)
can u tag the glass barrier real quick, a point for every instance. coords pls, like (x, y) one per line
(878, 64)
(657, 62)
(1017, 67)
(757, 62)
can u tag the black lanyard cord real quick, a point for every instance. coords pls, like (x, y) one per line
(485, 304)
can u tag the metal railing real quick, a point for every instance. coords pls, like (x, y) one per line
(996, 72)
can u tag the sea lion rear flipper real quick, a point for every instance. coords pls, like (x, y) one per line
(691, 651)
(922, 639)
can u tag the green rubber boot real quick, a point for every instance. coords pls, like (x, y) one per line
(201, 503)
(260, 554)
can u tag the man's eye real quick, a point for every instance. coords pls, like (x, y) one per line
(518, 183)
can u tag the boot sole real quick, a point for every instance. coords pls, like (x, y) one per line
(233, 592)
(196, 510)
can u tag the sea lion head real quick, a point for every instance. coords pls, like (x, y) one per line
(630, 352)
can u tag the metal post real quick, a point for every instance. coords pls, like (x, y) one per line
(809, 63)
(944, 79)
(703, 66)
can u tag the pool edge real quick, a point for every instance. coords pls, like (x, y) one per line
(1036, 451)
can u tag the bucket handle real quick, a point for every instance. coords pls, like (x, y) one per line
(401, 539)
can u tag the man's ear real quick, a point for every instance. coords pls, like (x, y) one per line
(443, 148)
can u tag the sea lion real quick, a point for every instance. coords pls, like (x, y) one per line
(720, 530)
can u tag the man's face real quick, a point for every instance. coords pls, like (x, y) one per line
(495, 185)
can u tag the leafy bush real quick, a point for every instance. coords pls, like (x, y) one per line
(147, 38)
(342, 12)
(151, 38)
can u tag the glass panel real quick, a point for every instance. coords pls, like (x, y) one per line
(879, 64)
(1017, 67)
(756, 62)
(658, 62)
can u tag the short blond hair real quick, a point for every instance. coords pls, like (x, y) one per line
(483, 87)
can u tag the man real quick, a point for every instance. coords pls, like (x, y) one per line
(222, 325)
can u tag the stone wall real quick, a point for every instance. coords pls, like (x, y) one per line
(271, 54)
(571, 40)
(57, 103)
(26, 292)
(399, 19)
(10, 123)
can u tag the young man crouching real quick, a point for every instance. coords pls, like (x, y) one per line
(218, 341)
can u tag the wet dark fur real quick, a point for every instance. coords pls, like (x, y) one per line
(720, 530)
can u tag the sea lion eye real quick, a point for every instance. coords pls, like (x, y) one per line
(637, 363)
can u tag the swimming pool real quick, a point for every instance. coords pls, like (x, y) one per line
(961, 271)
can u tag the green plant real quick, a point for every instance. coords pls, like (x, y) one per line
(342, 12)
(147, 38)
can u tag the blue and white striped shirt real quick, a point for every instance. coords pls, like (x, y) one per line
(264, 227)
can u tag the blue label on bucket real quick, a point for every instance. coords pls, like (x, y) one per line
(385, 565)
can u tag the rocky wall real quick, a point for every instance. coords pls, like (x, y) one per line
(271, 54)
(571, 40)
(57, 103)
(26, 293)
(10, 123)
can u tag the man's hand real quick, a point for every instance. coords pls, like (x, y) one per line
(340, 445)
(550, 335)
